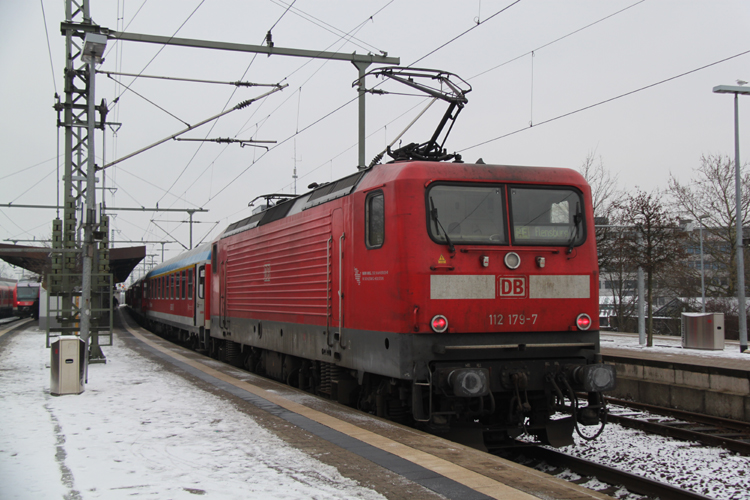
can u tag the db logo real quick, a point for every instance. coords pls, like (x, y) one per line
(511, 286)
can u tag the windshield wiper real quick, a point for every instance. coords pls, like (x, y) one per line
(577, 219)
(434, 216)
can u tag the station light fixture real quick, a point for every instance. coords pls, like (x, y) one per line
(94, 45)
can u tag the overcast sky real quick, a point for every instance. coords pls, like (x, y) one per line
(613, 48)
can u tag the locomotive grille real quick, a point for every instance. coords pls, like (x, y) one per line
(282, 271)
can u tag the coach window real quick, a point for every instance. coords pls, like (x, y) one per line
(183, 285)
(374, 220)
(171, 286)
(190, 284)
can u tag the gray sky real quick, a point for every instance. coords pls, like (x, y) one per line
(640, 137)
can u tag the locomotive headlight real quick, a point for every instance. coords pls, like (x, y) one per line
(469, 382)
(512, 260)
(439, 324)
(583, 321)
(596, 378)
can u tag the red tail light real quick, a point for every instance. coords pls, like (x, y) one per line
(583, 322)
(439, 324)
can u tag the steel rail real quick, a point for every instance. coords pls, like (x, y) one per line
(609, 475)
(730, 434)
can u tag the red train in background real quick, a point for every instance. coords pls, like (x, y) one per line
(446, 294)
(7, 293)
(26, 298)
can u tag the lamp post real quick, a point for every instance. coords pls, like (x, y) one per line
(703, 280)
(741, 305)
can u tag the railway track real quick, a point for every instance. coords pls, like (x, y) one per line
(712, 431)
(536, 456)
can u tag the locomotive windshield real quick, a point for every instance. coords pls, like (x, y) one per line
(26, 293)
(546, 216)
(476, 215)
(469, 214)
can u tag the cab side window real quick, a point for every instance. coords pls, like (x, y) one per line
(374, 220)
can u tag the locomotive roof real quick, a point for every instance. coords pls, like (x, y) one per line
(319, 195)
(346, 185)
(198, 254)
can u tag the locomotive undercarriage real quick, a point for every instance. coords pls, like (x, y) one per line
(531, 380)
(520, 388)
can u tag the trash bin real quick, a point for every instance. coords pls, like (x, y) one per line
(67, 365)
(703, 331)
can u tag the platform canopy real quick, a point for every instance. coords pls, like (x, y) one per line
(122, 261)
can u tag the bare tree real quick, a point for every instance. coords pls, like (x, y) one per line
(619, 279)
(711, 192)
(653, 241)
(605, 193)
(606, 197)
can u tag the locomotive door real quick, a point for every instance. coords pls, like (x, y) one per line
(223, 321)
(200, 298)
(336, 271)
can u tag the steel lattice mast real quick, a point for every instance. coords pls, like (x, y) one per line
(76, 308)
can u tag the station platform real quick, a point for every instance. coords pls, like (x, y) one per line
(711, 382)
(669, 349)
(161, 421)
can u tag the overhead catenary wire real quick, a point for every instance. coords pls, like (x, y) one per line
(478, 22)
(49, 47)
(239, 106)
(333, 30)
(192, 80)
(357, 28)
(117, 99)
(605, 101)
(229, 99)
(213, 163)
(109, 75)
(556, 40)
(355, 99)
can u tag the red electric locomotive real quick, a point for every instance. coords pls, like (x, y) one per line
(449, 294)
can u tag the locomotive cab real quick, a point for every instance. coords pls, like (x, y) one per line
(493, 273)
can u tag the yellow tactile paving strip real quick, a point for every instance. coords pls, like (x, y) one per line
(474, 480)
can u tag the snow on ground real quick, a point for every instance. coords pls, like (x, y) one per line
(714, 472)
(140, 431)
